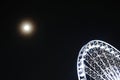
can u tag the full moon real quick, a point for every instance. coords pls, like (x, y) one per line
(27, 27)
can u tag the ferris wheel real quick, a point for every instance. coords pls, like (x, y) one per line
(98, 60)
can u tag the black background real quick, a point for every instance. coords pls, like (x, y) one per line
(62, 29)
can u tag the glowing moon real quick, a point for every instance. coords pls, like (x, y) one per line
(27, 27)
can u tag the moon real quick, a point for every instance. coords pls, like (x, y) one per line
(27, 27)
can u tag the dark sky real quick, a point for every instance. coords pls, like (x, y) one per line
(62, 29)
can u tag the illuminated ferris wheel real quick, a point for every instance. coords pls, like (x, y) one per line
(98, 60)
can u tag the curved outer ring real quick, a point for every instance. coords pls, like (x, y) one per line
(81, 60)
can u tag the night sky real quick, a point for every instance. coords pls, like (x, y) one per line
(62, 29)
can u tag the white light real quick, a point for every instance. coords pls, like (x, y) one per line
(27, 28)
(110, 72)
